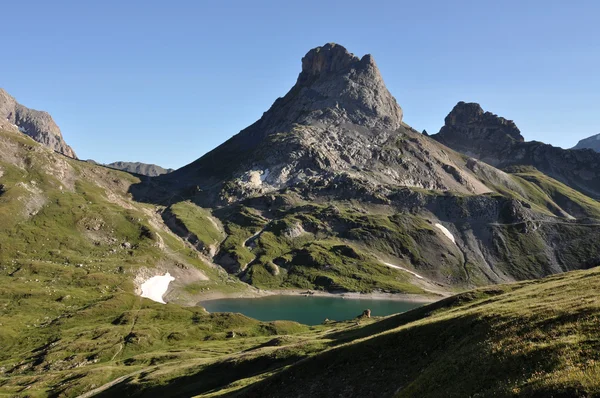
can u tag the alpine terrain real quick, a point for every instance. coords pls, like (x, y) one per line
(329, 191)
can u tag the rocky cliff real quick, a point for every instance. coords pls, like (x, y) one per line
(38, 125)
(498, 142)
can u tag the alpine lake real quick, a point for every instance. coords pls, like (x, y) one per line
(309, 310)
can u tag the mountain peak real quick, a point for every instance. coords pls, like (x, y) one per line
(463, 112)
(337, 87)
(330, 58)
(471, 114)
(337, 116)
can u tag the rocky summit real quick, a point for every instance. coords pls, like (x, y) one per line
(38, 125)
(498, 142)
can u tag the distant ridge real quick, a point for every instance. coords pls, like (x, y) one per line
(592, 142)
(146, 169)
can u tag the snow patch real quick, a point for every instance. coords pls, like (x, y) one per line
(156, 287)
(446, 232)
(403, 269)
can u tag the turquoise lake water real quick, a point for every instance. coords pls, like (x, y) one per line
(307, 310)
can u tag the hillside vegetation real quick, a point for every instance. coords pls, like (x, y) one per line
(535, 338)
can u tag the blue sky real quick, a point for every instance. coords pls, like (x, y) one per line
(165, 82)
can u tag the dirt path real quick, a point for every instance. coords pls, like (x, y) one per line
(110, 384)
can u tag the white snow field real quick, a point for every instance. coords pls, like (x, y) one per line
(156, 287)
(446, 232)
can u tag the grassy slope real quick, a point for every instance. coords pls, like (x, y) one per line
(574, 202)
(198, 221)
(536, 338)
(71, 245)
(89, 345)
(324, 255)
(529, 339)
(548, 195)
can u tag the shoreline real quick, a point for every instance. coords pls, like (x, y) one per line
(258, 293)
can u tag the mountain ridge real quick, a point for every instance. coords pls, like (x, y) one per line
(39, 125)
(145, 169)
(592, 142)
(498, 142)
(338, 119)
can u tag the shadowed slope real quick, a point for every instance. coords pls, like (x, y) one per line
(530, 339)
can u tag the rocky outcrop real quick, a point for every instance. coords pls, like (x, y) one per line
(337, 86)
(592, 142)
(37, 124)
(498, 142)
(146, 169)
(483, 135)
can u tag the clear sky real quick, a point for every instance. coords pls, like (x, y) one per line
(166, 81)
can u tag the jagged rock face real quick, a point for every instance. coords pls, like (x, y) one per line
(474, 132)
(334, 87)
(338, 124)
(150, 170)
(471, 116)
(592, 142)
(339, 87)
(498, 142)
(36, 124)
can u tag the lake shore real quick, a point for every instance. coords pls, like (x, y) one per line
(258, 293)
